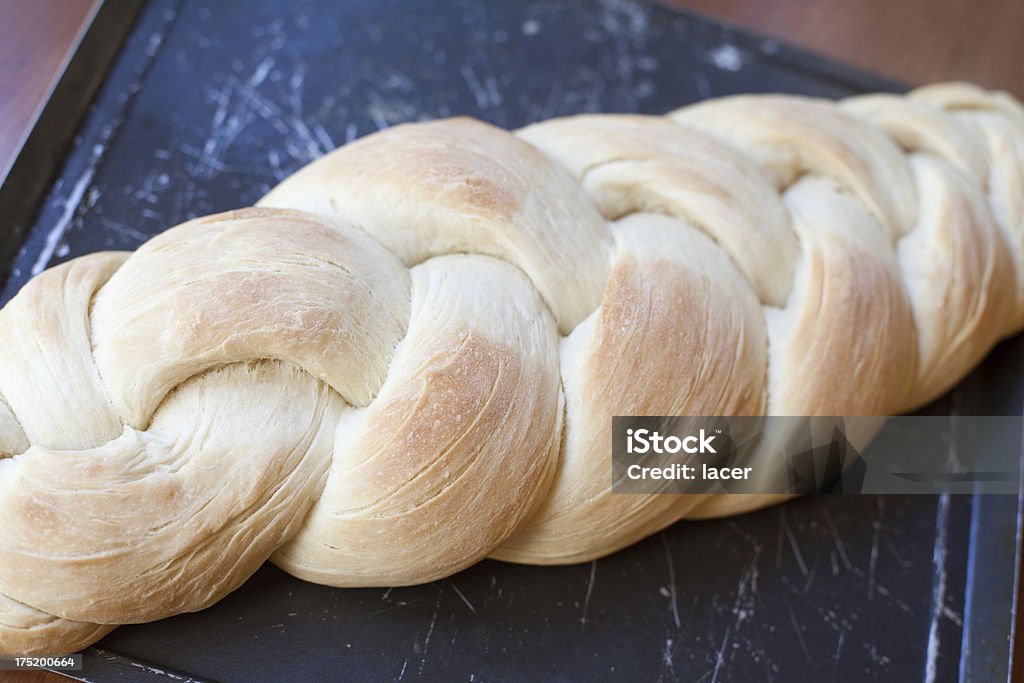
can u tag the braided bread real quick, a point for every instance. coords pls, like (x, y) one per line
(407, 357)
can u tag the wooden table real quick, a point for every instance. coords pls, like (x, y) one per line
(37, 37)
(915, 41)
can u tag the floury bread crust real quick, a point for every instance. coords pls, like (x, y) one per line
(406, 359)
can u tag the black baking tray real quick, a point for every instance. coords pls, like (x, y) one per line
(207, 105)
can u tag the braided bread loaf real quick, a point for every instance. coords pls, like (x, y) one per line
(407, 358)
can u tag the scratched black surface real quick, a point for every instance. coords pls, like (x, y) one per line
(210, 103)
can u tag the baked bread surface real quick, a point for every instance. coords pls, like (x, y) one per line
(407, 357)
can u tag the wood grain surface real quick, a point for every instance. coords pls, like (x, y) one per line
(915, 41)
(36, 39)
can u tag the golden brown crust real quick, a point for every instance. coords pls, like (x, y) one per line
(408, 357)
(433, 448)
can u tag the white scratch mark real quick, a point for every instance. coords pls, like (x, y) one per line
(799, 634)
(882, 590)
(486, 93)
(793, 544)
(379, 120)
(430, 632)
(838, 653)
(726, 57)
(224, 128)
(667, 656)
(302, 131)
(873, 558)
(325, 140)
(387, 111)
(67, 215)
(720, 655)
(840, 548)
(810, 579)
(239, 102)
(260, 74)
(743, 605)
(938, 588)
(275, 164)
(894, 551)
(463, 597)
(590, 589)
(157, 671)
(876, 656)
(125, 231)
(153, 44)
(396, 80)
(673, 593)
